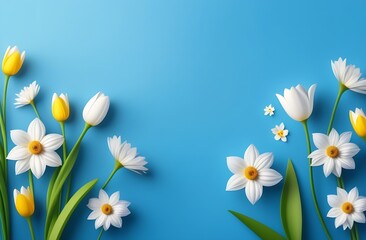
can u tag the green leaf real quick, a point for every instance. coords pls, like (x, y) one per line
(258, 228)
(291, 213)
(69, 208)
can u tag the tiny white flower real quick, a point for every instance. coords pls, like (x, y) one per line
(125, 155)
(334, 152)
(34, 149)
(27, 95)
(349, 76)
(269, 110)
(107, 210)
(252, 173)
(347, 208)
(280, 132)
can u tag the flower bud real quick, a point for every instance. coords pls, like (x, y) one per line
(12, 61)
(60, 107)
(358, 121)
(24, 202)
(96, 109)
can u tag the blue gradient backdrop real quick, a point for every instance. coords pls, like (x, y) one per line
(188, 81)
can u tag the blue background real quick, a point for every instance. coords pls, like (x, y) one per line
(188, 81)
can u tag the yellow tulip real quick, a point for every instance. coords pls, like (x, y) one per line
(24, 202)
(12, 61)
(358, 121)
(60, 107)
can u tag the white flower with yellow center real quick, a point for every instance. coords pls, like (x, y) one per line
(349, 76)
(347, 208)
(125, 155)
(27, 95)
(252, 173)
(107, 210)
(269, 110)
(334, 152)
(34, 149)
(280, 132)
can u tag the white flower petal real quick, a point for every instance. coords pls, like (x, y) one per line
(344, 138)
(235, 164)
(340, 220)
(321, 141)
(342, 194)
(236, 182)
(348, 150)
(358, 217)
(114, 198)
(269, 177)
(250, 155)
(328, 167)
(94, 214)
(36, 130)
(94, 204)
(264, 160)
(21, 167)
(353, 195)
(347, 163)
(107, 224)
(103, 196)
(100, 221)
(333, 137)
(116, 221)
(52, 141)
(334, 201)
(253, 191)
(114, 145)
(334, 212)
(19, 153)
(20, 138)
(360, 204)
(51, 158)
(37, 166)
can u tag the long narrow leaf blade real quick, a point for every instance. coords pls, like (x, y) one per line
(291, 213)
(262, 231)
(69, 208)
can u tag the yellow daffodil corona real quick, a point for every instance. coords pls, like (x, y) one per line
(24, 202)
(12, 61)
(358, 121)
(60, 107)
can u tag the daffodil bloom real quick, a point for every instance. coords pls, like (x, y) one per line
(126, 156)
(34, 149)
(269, 110)
(107, 210)
(60, 107)
(12, 61)
(347, 208)
(334, 152)
(358, 121)
(252, 173)
(96, 109)
(349, 76)
(24, 202)
(26, 95)
(280, 132)
(297, 102)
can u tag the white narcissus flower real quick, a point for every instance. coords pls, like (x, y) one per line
(252, 173)
(334, 152)
(34, 149)
(96, 109)
(27, 95)
(107, 210)
(347, 208)
(125, 155)
(280, 132)
(349, 76)
(297, 102)
(269, 110)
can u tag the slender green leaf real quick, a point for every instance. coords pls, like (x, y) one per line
(69, 208)
(258, 228)
(291, 213)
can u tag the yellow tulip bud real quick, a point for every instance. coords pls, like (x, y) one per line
(60, 107)
(24, 202)
(12, 61)
(358, 121)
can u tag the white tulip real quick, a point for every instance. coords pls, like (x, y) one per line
(297, 102)
(96, 109)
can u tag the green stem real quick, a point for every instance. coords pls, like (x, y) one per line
(341, 90)
(115, 169)
(312, 182)
(31, 185)
(64, 151)
(5, 147)
(100, 234)
(30, 227)
(35, 109)
(6, 82)
(355, 229)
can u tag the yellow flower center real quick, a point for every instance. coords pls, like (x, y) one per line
(332, 151)
(347, 207)
(35, 147)
(251, 173)
(107, 209)
(280, 133)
